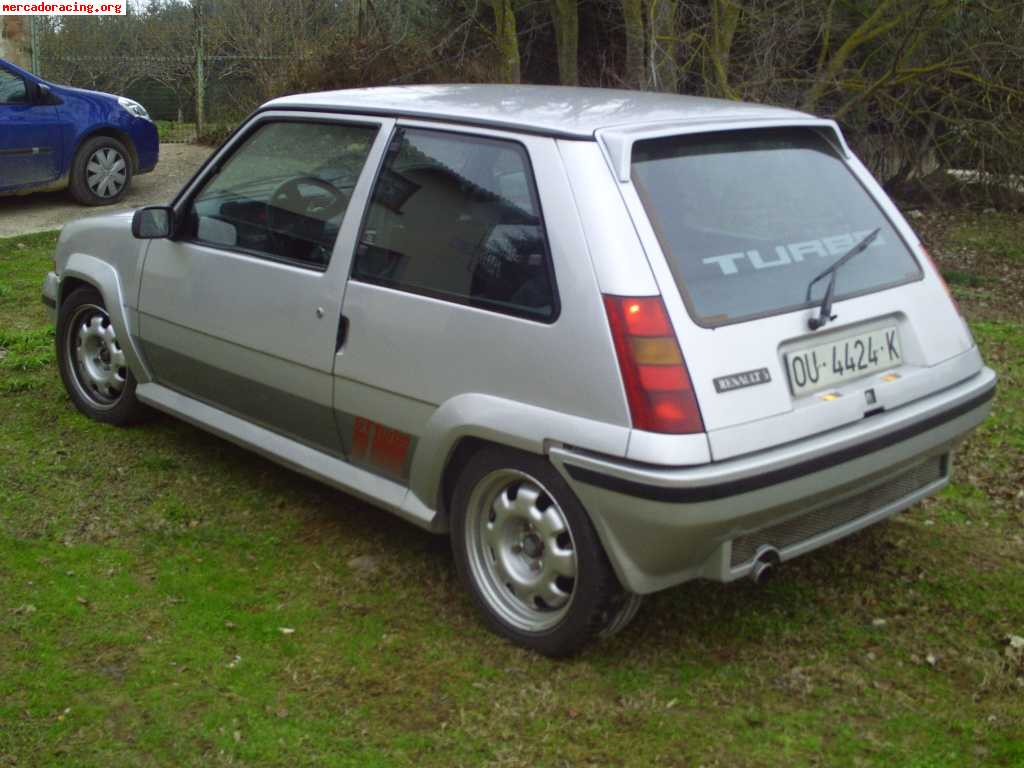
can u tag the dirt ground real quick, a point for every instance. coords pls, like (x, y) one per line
(51, 210)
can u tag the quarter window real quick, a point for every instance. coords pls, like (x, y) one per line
(283, 194)
(457, 217)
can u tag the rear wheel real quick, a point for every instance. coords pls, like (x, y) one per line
(101, 172)
(528, 554)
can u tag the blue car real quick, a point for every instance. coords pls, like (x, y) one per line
(55, 137)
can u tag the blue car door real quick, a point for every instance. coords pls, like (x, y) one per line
(30, 135)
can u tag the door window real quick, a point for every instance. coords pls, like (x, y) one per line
(283, 194)
(457, 217)
(12, 88)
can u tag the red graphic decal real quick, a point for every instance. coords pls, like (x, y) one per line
(361, 438)
(389, 449)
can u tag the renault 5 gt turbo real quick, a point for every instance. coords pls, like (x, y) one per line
(608, 341)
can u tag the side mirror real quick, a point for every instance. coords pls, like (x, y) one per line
(45, 96)
(153, 223)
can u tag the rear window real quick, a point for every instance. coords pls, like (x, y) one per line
(747, 219)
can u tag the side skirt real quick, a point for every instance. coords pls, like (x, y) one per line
(289, 453)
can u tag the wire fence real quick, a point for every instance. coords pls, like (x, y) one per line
(189, 100)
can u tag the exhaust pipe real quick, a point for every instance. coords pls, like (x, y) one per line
(765, 564)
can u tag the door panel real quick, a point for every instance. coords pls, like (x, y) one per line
(243, 311)
(243, 334)
(30, 136)
(463, 283)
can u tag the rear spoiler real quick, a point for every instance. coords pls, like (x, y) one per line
(617, 143)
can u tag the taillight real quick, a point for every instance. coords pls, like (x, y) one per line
(956, 304)
(654, 374)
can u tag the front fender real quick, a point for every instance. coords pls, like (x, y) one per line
(104, 278)
(505, 422)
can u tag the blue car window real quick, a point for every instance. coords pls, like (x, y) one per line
(12, 88)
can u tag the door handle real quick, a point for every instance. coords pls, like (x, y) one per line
(342, 333)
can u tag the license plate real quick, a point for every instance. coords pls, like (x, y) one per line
(837, 362)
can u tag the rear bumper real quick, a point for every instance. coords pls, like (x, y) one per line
(663, 526)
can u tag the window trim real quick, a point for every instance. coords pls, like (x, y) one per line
(453, 298)
(682, 285)
(184, 204)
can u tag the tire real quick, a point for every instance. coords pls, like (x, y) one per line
(621, 615)
(91, 361)
(528, 554)
(101, 172)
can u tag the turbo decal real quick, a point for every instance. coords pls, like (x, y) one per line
(782, 255)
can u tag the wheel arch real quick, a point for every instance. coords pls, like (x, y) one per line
(111, 132)
(470, 422)
(463, 450)
(84, 270)
(70, 284)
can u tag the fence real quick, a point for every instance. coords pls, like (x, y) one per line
(198, 66)
(186, 100)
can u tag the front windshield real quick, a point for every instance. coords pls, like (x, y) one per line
(748, 218)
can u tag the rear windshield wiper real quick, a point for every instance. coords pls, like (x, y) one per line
(825, 313)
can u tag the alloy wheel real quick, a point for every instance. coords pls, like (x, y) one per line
(520, 550)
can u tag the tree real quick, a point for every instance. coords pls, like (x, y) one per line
(507, 40)
(919, 86)
(725, 18)
(665, 45)
(566, 17)
(633, 18)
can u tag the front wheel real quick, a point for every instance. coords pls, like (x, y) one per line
(101, 171)
(528, 554)
(92, 362)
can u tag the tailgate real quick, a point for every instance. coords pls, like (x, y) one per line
(919, 342)
(741, 229)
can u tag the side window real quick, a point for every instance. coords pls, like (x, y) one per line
(457, 217)
(284, 192)
(12, 88)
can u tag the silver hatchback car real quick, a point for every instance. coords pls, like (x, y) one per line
(611, 341)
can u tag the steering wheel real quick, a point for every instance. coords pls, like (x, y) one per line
(291, 214)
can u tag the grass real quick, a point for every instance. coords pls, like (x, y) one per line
(173, 131)
(147, 577)
(996, 234)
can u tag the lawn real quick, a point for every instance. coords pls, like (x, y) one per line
(186, 133)
(172, 130)
(169, 599)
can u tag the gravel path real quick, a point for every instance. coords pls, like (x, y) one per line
(50, 210)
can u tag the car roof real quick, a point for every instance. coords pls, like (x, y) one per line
(546, 109)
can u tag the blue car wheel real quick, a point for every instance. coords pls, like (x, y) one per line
(102, 171)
